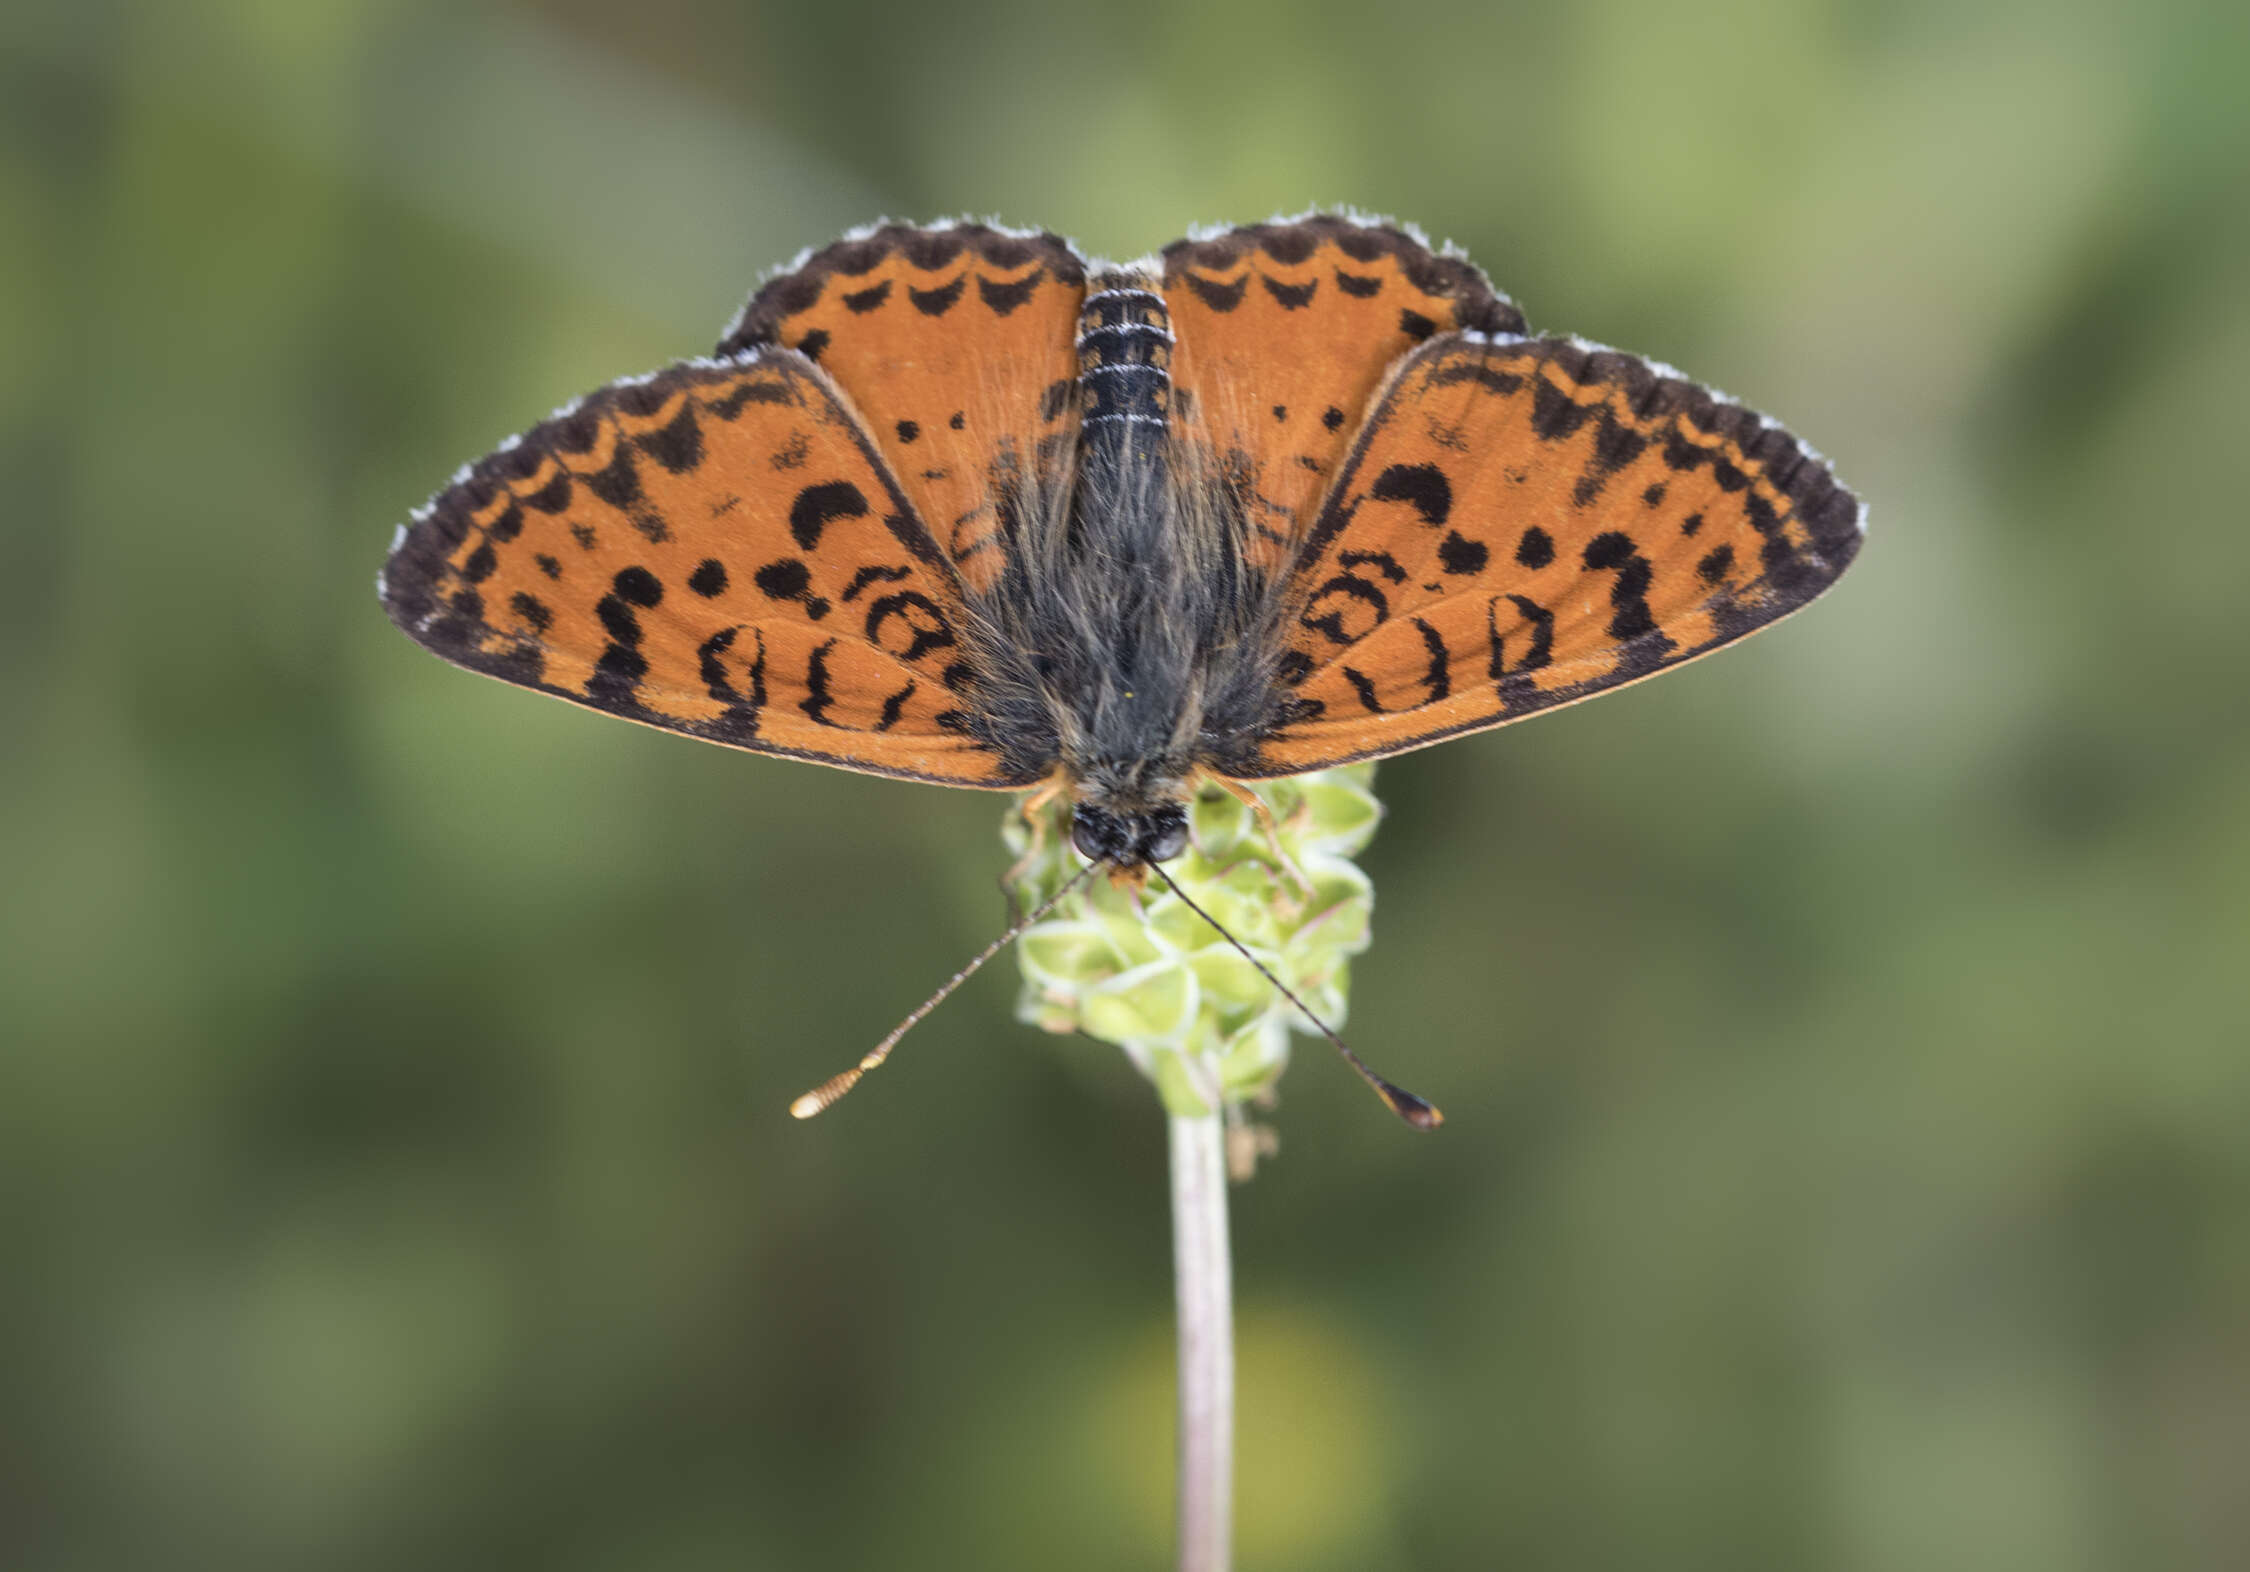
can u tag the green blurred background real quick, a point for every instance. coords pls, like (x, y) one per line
(1846, 1041)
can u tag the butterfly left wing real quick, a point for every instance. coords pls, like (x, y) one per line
(954, 343)
(716, 550)
(1523, 523)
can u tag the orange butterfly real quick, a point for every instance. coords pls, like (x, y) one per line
(957, 505)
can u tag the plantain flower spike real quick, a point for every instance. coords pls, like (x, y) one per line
(1139, 968)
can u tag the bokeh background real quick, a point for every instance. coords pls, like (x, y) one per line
(1846, 1041)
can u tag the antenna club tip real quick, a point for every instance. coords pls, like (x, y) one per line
(1416, 1112)
(806, 1106)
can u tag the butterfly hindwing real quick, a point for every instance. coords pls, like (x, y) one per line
(1527, 522)
(955, 344)
(717, 550)
(1284, 333)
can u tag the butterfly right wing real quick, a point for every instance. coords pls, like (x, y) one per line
(1285, 331)
(717, 550)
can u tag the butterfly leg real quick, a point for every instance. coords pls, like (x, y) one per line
(1264, 815)
(1034, 811)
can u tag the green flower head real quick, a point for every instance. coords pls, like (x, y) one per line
(1139, 968)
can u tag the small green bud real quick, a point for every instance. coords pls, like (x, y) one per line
(1139, 969)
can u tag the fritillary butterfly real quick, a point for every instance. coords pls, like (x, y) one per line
(958, 505)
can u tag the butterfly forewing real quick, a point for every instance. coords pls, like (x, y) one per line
(955, 344)
(717, 550)
(1524, 523)
(1285, 331)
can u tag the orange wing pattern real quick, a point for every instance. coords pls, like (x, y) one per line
(717, 550)
(1528, 522)
(955, 344)
(1284, 333)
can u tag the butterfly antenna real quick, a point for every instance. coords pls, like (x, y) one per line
(1416, 1112)
(830, 1090)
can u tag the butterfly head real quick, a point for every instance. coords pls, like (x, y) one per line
(1128, 841)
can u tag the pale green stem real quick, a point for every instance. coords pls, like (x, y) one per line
(1205, 1290)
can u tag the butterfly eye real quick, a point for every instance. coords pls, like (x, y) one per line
(1099, 836)
(1164, 836)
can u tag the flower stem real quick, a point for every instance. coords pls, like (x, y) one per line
(1205, 1286)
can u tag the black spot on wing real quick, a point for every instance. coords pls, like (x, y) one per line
(616, 675)
(1219, 297)
(713, 669)
(1437, 678)
(1332, 417)
(1615, 446)
(1490, 378)
(617, 618)
(1365, 690)
(1004, 298)
(533, 610)
(1290, 297)
(873, 575)
(1325, 612)
(1422, 486)
(925, 624)
(709, 579)
(1682, 455)
(895, 706)
(788, 579)
(751, 390)
(638, 586)
(811, 345)
(861, 301)
(818, 506)
(1554, 414)
(818, 700)
(617, 483)
(1415, 325)
(1460, 555)
(678, 444)
(1715, 564)
(1381, 561)
(937, 302)
(1540, 650)
(908, 431)
(1357, 284)
(1614, 551)
(783, 580)
(553, 497)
